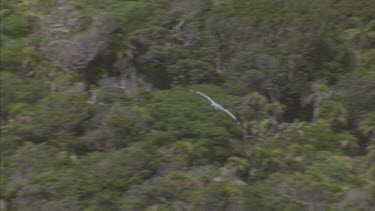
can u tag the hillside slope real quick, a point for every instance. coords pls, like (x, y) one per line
(96, 112)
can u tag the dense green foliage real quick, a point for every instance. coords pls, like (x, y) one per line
(118, 128)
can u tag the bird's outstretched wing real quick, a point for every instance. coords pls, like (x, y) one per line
(230, 114)
(218, 106)
(207, 97)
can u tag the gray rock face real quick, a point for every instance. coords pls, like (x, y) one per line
(65, 45)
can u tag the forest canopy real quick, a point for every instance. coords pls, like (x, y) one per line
(97, 112)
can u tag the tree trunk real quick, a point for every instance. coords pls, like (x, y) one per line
(244, 128)
(273, 124)
(316, 109)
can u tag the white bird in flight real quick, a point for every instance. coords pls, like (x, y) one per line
(216, 106)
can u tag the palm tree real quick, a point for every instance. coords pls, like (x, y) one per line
(359, 37)
(250, 106)
(320, 92)
(275, 111)
(367, 125)
(334, 112)
(238, 166)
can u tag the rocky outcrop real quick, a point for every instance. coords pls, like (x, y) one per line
(67, 46)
